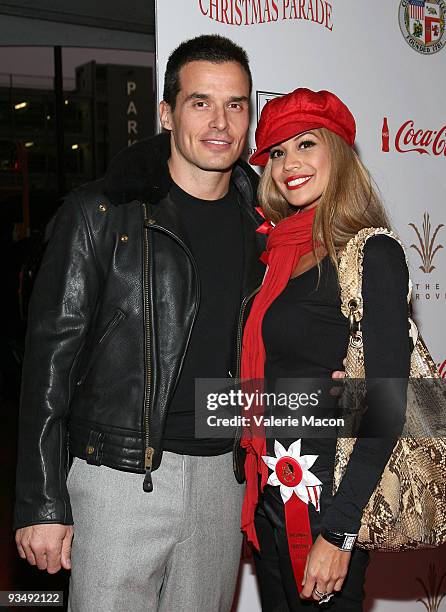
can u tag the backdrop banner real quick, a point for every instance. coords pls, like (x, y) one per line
(387, 61)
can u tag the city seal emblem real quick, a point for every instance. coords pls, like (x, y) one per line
(422, 24)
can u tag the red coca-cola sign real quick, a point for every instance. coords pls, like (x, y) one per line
(410, 138)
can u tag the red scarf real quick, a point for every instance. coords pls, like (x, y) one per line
(288, 241)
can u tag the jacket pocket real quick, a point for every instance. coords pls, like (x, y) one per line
(108, 332)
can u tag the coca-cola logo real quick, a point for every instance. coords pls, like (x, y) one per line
(442, 369)
(409, 138)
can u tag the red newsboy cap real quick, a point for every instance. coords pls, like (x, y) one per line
(297, 112)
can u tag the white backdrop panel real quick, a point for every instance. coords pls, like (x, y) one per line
(364, 58)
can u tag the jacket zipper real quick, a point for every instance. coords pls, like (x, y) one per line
(148, 449)
(243, 306)
(238, 433)
(194, 264)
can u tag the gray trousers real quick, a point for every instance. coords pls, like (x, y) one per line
(176, 549)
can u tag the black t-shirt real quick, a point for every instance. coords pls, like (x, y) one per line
(214, 233)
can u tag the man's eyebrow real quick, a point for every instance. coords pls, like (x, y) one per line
(239, 99)
(196, 95)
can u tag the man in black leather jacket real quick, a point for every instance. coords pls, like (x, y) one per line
(114, 325)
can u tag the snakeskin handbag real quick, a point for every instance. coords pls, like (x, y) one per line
(407, 510)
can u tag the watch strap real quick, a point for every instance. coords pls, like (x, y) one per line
(344, 541)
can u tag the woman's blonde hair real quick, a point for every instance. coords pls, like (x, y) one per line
(348, 204)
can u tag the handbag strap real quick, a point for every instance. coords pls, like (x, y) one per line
(351, 273)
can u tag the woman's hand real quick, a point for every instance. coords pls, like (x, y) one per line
(325, 570)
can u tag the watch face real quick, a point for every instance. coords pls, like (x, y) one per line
(349, 542)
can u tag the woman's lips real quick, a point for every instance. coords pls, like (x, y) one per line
(296, 182)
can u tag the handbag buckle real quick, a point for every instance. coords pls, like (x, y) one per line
(355, 326)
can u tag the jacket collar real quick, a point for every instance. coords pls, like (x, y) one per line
(140, 172)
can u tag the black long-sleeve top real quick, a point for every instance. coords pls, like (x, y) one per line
(306, 336)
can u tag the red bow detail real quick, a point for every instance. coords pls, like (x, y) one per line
(267, 226)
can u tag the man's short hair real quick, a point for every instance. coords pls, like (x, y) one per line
(207, 48)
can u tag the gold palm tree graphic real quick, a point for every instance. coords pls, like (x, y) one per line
(432, 589)
(426, 249)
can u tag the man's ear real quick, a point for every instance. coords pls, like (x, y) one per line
(165, 115)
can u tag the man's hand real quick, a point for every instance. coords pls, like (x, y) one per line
(325, 570)
(338, 389)
(48, 546)
(337, 373)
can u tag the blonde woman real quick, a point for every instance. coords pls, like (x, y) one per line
(319, 195)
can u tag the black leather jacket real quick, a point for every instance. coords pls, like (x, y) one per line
(110, 319)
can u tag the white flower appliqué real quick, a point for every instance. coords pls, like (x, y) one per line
(292, 473)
